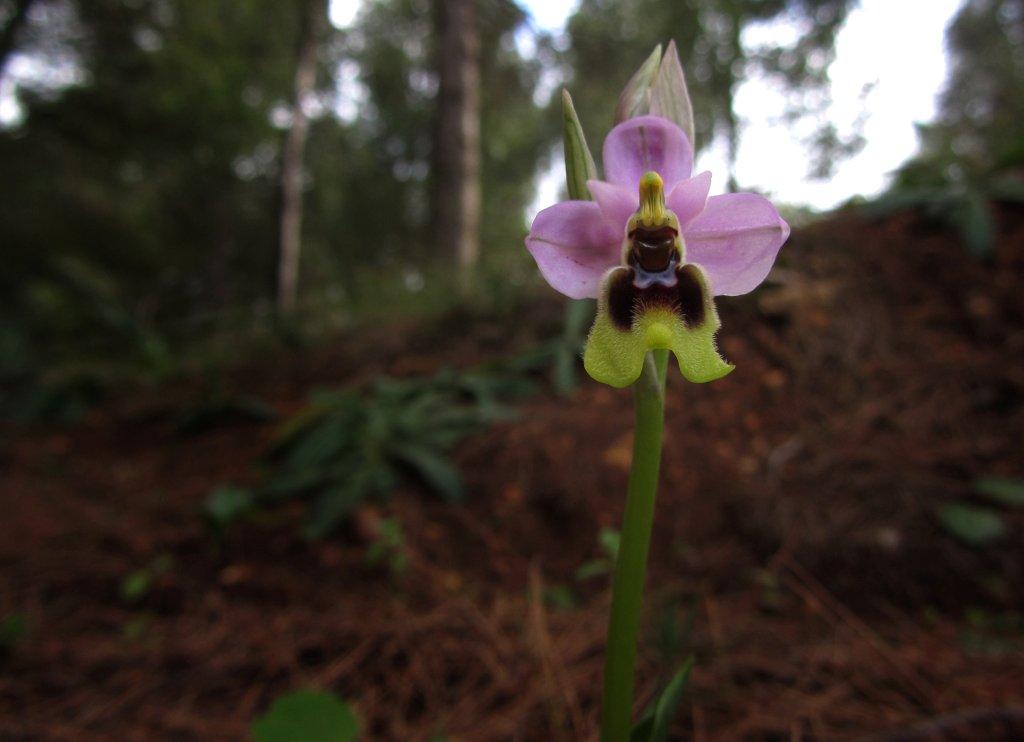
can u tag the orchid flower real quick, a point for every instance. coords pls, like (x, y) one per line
(654, 250)
(655, 261)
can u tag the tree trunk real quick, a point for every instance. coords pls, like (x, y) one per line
(10, 30)
(456, 154)
(290, 246)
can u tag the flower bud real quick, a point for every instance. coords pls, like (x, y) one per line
(635, 99)
(658, 88)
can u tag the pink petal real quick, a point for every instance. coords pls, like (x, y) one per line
(617, 203)
(647, 143)
(688, 198)
(735, 240)
(573, 246)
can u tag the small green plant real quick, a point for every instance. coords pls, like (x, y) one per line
(136, 628)
(994, 634)
(561, 598)
(388, 547)
(349, 447)
(307, 716)
(1006, 492)
(653, 724)
(672, 639)
(982, 525)
(224, 506)
(13, 629)
(975, 526)
(138, 584)
(609, 541)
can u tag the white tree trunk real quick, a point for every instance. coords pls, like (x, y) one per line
(457, 189)
(290, 244)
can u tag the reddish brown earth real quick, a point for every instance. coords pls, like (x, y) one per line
(877, 376)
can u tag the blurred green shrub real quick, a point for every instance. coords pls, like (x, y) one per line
(349, 447)
(972, 153)
(964, 205)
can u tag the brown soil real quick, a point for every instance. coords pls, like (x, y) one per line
(877, 376)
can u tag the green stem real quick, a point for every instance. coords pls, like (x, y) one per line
(631, 564)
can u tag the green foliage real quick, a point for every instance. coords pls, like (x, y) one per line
(560, 598)
(139, 204)
(13, 629)
(61, 396)
(963, 204)
(983, 525)
(972, 154)
(138, 584)
(993, 634)
(349, 447)
(609, 540)
(1008, 492)
(975, 526)
(372, 202)
(217, 409)
(388, 547)
(307, 716)
(654, 724)
(672, 637)
(981, 111)
(123, 199)
(136, 628)
(225, 505)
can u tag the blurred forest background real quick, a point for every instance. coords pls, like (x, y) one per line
(210, 209)
(174, 171)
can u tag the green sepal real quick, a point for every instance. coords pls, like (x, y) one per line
(616, 357)
(579, 163)
(670, 97)
(635, 99)
(654, 724)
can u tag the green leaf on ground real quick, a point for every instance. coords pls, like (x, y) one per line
(1009, 492)
(307, 716)
(226, 504)
(13, 629)
(654, 724)
(973, 525)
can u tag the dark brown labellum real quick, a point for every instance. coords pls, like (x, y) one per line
(652, 249)
(621, 294)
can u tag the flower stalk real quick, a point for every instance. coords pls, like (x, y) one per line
(631, 564)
